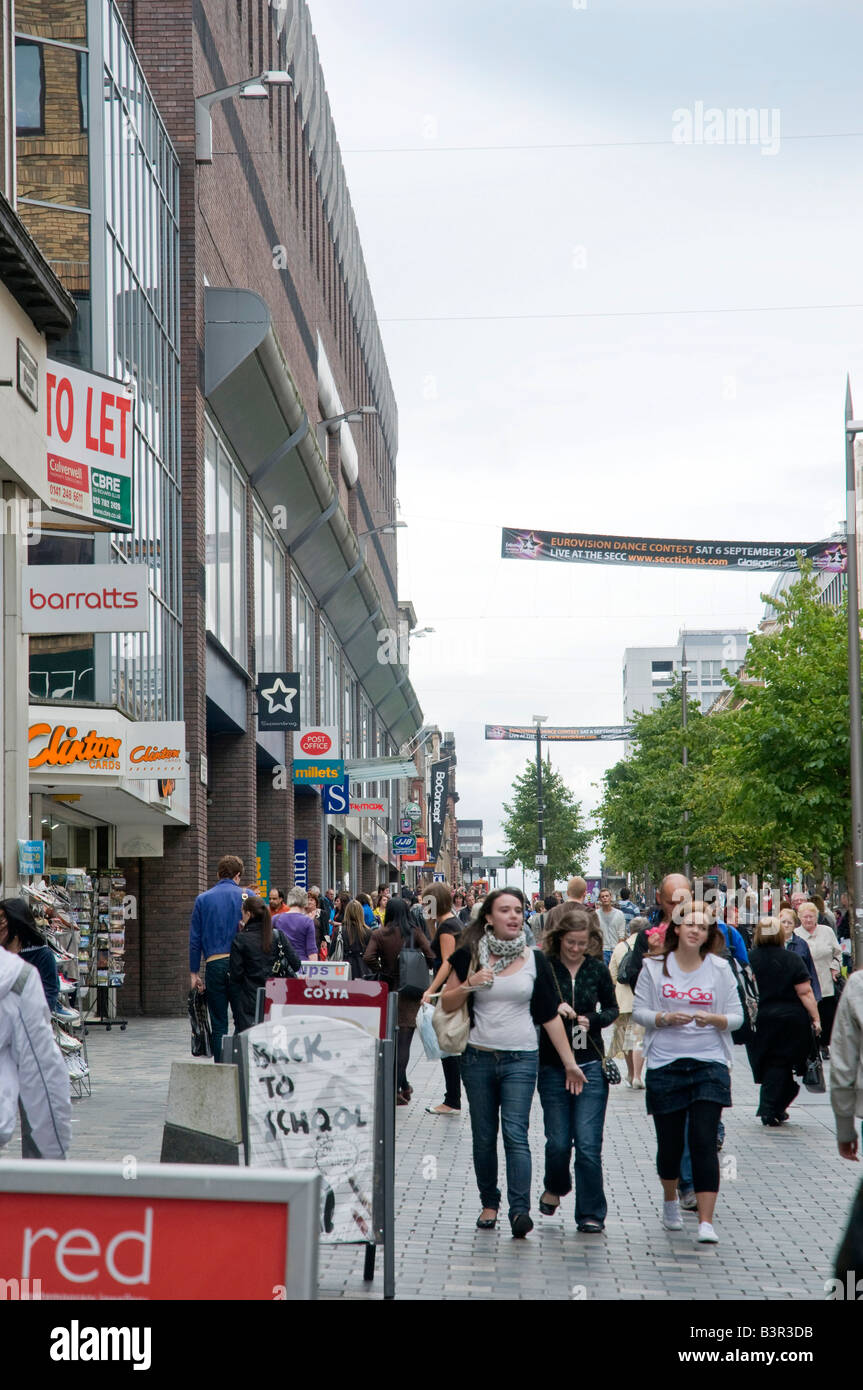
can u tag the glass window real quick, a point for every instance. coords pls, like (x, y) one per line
(350, 706)
(269, 564)
(225, 522)
(330, 711)
(303, 614)
(29, 89)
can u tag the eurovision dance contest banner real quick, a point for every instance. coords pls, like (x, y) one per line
(587, 733)
(580, 547)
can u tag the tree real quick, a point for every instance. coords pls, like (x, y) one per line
(567, 838)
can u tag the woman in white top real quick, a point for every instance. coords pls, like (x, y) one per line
(628, 1036)
(510, 992)
(687, 1002)
(826, 956)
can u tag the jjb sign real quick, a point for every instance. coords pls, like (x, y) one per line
(404, 844)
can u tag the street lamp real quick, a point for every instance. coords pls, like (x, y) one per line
(333, 423)
(541, 856)
(684, 672)
(252, 89)
(852, 429)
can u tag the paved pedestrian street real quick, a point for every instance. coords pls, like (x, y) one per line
(784, 1199)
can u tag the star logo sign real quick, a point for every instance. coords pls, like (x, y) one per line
(272, 696)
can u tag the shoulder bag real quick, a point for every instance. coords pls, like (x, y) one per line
(453, 1030)
(281, 968)
(610, 1069)
(413, 971)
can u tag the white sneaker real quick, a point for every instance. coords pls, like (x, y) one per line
(706, 1234)
(671, 1217)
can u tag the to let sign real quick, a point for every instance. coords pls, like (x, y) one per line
(90, 438)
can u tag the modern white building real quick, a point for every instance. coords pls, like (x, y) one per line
(649, 672)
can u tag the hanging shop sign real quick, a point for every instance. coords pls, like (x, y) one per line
(31, 857)
(317, 741)
(278, 701)
(318, 770)
(413, 811)
(678, 554)
(369, 806)
(419, 855)
(404, 844)
(439, 787)
(603, 733)
(301, 863)
(85, 598)
(336, 798)
(262, 868)
(146, 751)
(311, 1109)
(91, 438)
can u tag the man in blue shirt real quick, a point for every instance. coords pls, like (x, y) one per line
(215, 921)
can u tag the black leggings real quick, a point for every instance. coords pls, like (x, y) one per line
(704, 1116)
(827, 1012)
(406, 1036)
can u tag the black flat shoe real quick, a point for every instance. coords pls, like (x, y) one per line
(771, 1123)
(547, 1209)
(485, 1225)
(784, 1117)
(521, 1225)
(591, 1228)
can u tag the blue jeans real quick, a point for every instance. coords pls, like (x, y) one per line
(500, 1083)
(575, 1120)
(216, 984)
(606, 956)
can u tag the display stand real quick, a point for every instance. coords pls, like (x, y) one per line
(62, 908)
(107, 958)
(282, 998)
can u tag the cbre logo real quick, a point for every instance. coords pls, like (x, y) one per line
(315, 743)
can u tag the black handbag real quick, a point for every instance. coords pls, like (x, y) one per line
(281, 968)
(813, 1077)
(413, 972)
(199, 1017)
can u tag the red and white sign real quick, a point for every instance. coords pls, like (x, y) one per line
(84, 598)
(317, 741)
(74, 742)
(82, 1230)
(90, 445)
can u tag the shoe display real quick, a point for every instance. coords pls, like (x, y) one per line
(688, 1200)
(67, 1015)
(521, 1225)
(707, 1235)
(67, 986)
(671, 1218)
(67, 1042)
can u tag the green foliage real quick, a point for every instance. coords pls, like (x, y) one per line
(768, 782)
(567, 839)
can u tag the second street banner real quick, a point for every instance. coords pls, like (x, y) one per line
(587, 733)
(581, 547)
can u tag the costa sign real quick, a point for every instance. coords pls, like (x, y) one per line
(318, 741)
(84, 598)
(90, 435)
(150, 750)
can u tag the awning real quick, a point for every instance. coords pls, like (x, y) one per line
(380, 769)
(251, 391)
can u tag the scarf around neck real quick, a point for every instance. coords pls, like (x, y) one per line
(503, 952)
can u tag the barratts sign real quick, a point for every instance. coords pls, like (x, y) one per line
(311, 1104)
(578, 548)
(85, 598)
(588, 733)
(91, 442)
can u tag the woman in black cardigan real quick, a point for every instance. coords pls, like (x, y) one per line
(510, 993)
(587, 1004)
(253, 954)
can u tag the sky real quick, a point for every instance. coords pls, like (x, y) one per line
(597, 327)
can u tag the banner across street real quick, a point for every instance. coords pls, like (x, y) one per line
(586, 734)
(584, 547)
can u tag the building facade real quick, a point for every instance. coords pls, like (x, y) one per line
(649, 672)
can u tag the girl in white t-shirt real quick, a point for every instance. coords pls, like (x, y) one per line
(686, 1000)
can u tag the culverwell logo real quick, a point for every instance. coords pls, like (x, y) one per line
(77, 1343)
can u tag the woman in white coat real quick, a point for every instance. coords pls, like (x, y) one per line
(826, 956)
(686, 1000)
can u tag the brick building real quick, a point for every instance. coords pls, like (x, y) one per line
(273, 546)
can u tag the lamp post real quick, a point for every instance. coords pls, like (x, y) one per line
(541, 857)
(335, 422)
(852, 429)
(684, 672)
(251, 89)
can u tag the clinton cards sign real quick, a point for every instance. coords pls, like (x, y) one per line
(98, 744)
(84, 598)
(90, 436)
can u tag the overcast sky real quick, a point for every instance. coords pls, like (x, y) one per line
(551, 322)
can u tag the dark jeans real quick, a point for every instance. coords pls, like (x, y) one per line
(452, 1080)
(575, 1120)
(778, 1089)
(703, 1118)
(216, 982)
(406, 1036)
(500, 1084)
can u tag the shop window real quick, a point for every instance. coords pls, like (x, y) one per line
(225, 547)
